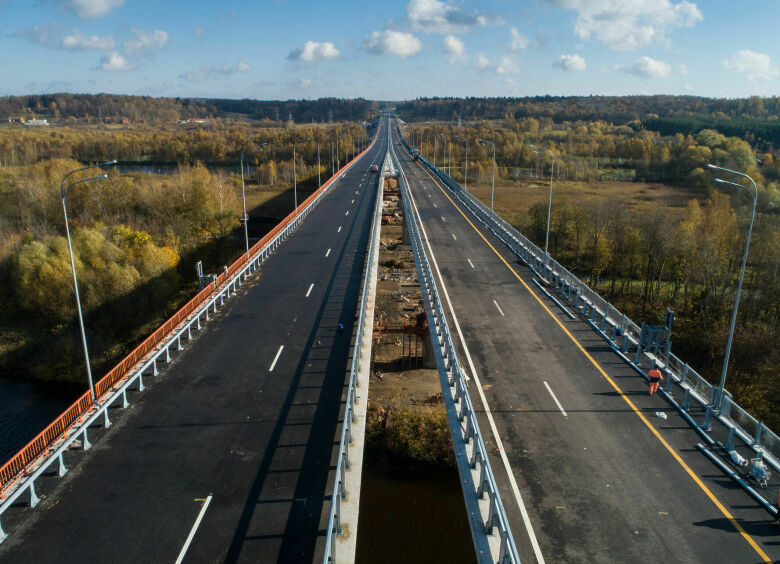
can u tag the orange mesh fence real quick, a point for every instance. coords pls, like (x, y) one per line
(21, 461)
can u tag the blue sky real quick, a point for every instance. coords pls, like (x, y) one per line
(390, 50)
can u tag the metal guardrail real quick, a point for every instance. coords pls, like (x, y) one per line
(18, 475)
(622, 332)
(343, 463)
(476, 473)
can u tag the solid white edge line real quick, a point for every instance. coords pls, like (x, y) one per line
(471, 263)
(193, 530)
(326, 254)
(279, 352)
(488, 412)
(310, 289)
(549, 389)
(498, 307)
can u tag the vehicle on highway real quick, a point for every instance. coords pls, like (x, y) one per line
(373, 168)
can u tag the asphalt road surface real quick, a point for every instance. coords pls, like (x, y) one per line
(232, 443)
(598, 477)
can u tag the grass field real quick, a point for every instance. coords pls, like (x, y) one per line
(516, 198)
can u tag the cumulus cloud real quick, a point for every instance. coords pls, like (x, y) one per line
(518, 42)
(570, 63)
(482, 61)
(114, 61)
(78, 41)
(455, 49)
(756, 66)
(314, 51)
(197, 32)
(629, 24)
(90, 9)
(390, 42)
(508, 65)
(646, 67)
(435, 16)
(682, 69)
(142, 42)
(216, 71)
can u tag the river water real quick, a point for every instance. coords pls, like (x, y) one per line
(172, 168)
(411, 514)
(26, 409)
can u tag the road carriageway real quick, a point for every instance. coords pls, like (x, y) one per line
(586, 469)
(226, 455)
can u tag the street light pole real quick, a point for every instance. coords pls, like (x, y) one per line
(754, 194)
(319, 174)
(466, 172)
(549, 203)
(63, 193)
(244, 153)
(295, 176)
(493, 189)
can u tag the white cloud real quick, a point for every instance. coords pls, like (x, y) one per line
(115, 61)
(305, 82)
(570, 63)
(482, 61)
(143, 42)
(518, 41)
(434, 16)
(314, 51)
(756, 66)
(682, 69)
(393, 43)
(628, 24)
(454, 48)
(197, 32)
(90, 9)
(646, 67)
(216, 71)
(80, 41)
(508, 65)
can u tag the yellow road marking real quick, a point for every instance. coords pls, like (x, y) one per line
(620, 392)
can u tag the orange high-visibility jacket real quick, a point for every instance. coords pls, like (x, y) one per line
(655, 375)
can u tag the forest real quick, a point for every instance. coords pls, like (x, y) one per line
(97, 108)
(678, 244)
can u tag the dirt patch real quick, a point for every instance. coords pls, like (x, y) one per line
(406, 415)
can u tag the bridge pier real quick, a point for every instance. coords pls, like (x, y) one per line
(61, 470)
(32, 499)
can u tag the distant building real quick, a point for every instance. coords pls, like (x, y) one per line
(15, 120)
(194, 120)
(36, 122)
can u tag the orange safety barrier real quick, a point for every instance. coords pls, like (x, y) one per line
(17, 466)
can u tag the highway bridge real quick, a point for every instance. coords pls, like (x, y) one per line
(244, 417)
(231, 453)
(587, 471)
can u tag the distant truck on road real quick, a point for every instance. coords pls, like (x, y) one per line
(374, 168)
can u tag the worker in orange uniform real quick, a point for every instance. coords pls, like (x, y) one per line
(655, 376)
